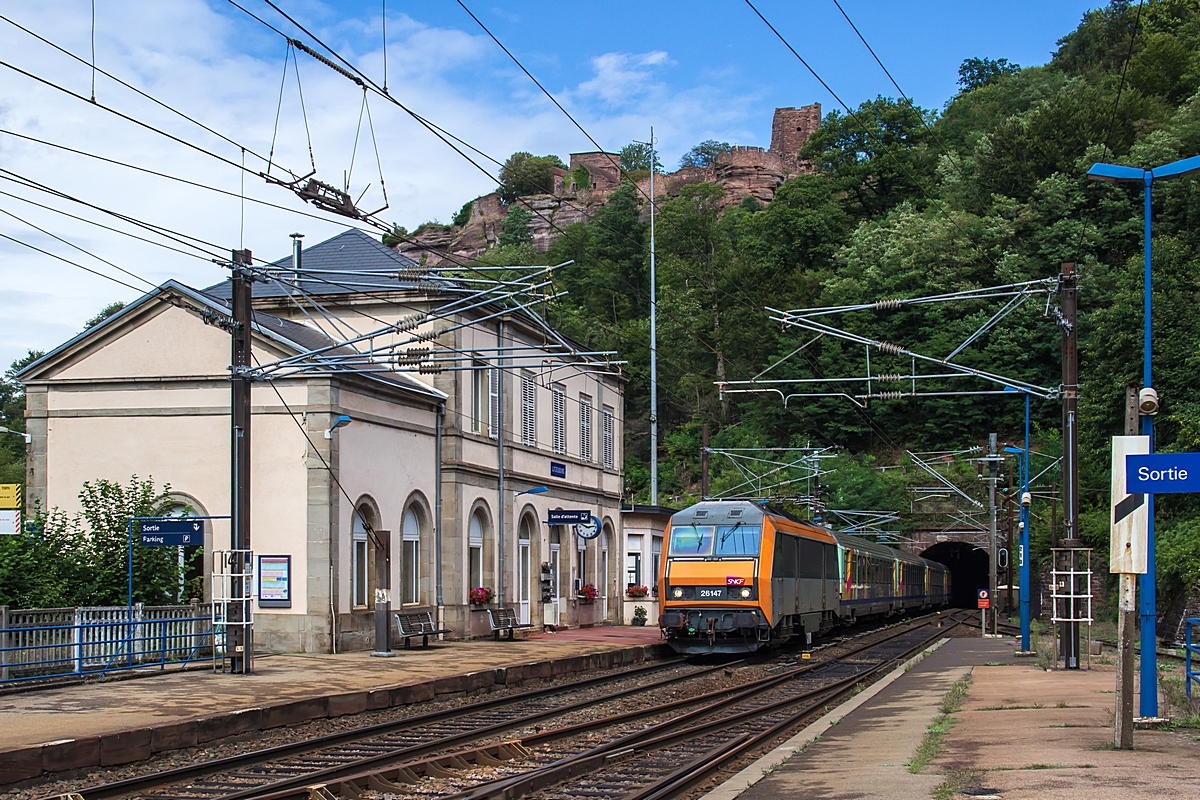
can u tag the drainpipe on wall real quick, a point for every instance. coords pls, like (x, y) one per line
(437, 515)
(500, 456)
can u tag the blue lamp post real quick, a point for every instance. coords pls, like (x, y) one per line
(1115, 173)
(1024, 558)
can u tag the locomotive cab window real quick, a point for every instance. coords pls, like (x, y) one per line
(692, 540)
(738, 540)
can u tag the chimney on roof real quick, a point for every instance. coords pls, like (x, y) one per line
(297, 256)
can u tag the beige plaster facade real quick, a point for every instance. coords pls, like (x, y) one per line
(147, 393)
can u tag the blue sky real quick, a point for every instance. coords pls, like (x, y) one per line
(618, 60)
(694, 71)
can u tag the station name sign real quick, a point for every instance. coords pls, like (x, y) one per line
(1162, 473)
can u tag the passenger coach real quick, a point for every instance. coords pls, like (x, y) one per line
(737, 576)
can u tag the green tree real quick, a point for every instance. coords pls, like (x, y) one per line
(879, 156)
(82, 559)
(515, 227)
(525, 174)
(12, 416)
(105, 313)
(974, 73)
(397, 235)
(636, 156)
(704, 154)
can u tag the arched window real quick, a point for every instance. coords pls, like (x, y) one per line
(475, 550)
(410, 575)
(360, 556)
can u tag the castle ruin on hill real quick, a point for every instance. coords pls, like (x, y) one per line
(742, 172)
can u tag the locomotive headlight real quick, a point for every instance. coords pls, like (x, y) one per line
(677, 593)
(746, 593)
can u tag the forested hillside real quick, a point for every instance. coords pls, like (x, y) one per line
(905, 202)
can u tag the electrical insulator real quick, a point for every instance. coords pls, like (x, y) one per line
(886, 304)
(409, 322)
(429, 369)
(890, 395)
(890, 377)
(895, 349)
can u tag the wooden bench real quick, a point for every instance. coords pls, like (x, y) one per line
(504, 619)
(419, 623)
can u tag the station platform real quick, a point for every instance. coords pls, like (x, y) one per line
(109, 723)
(1022, 732)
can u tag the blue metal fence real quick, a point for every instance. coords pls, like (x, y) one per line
(1190, 648)
(75, 642)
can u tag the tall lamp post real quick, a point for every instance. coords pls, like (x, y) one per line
(1024, 545)
(1115, 173)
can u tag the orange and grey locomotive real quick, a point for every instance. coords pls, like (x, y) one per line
(738, 576)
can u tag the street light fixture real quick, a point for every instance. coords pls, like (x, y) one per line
(28, 437)
(534, 490)
(340, 422)
(1147, 399)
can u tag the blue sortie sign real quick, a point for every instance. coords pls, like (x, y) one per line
(165, 532)
(1162, 473)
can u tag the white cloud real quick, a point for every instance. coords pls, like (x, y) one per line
(618, 77)
(225, 70)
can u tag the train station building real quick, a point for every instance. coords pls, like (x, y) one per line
(147, 393)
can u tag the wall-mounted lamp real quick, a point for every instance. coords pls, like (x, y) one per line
(340, 422)
(534, 490)
(28, 437)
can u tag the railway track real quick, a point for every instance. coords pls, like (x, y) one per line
(508, 747)
(251, 773)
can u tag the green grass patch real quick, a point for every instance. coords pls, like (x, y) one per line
(955, 781)
(931, 742)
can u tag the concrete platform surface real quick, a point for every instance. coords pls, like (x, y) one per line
(1027, 733)
(74, 726)
(864, 755)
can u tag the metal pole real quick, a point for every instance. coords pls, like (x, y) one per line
(992, 478)
(704, 462)
(1024, 546)
(383, 598)
(500, 465)
(1070, 399)
(241, 635)
(129, 618)
(1008, 536)
(653, 346)
(1126, 620)
(1149, 697)
(437, 514)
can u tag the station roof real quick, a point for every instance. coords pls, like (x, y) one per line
(352, 262)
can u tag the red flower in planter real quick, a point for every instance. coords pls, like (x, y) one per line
(481, 595)
(636, 591)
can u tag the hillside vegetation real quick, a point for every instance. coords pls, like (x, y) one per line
(906, 202)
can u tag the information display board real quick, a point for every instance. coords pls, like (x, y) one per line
(274, 581)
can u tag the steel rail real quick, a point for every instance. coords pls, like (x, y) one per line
(665, 733)
(226, 763)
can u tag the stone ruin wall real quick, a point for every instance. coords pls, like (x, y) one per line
(743, 171)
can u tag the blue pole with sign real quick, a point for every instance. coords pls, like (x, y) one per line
(1149, 599)
(1025, 613)
(1120, 173)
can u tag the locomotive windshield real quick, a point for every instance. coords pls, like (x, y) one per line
(692, 540)
(738, 540)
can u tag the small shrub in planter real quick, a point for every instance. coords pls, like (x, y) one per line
(639, 615)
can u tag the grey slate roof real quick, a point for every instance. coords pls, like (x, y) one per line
(350, 250)
(292, 335)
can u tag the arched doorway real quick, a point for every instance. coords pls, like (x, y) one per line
(968, 567)
(524, 574)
